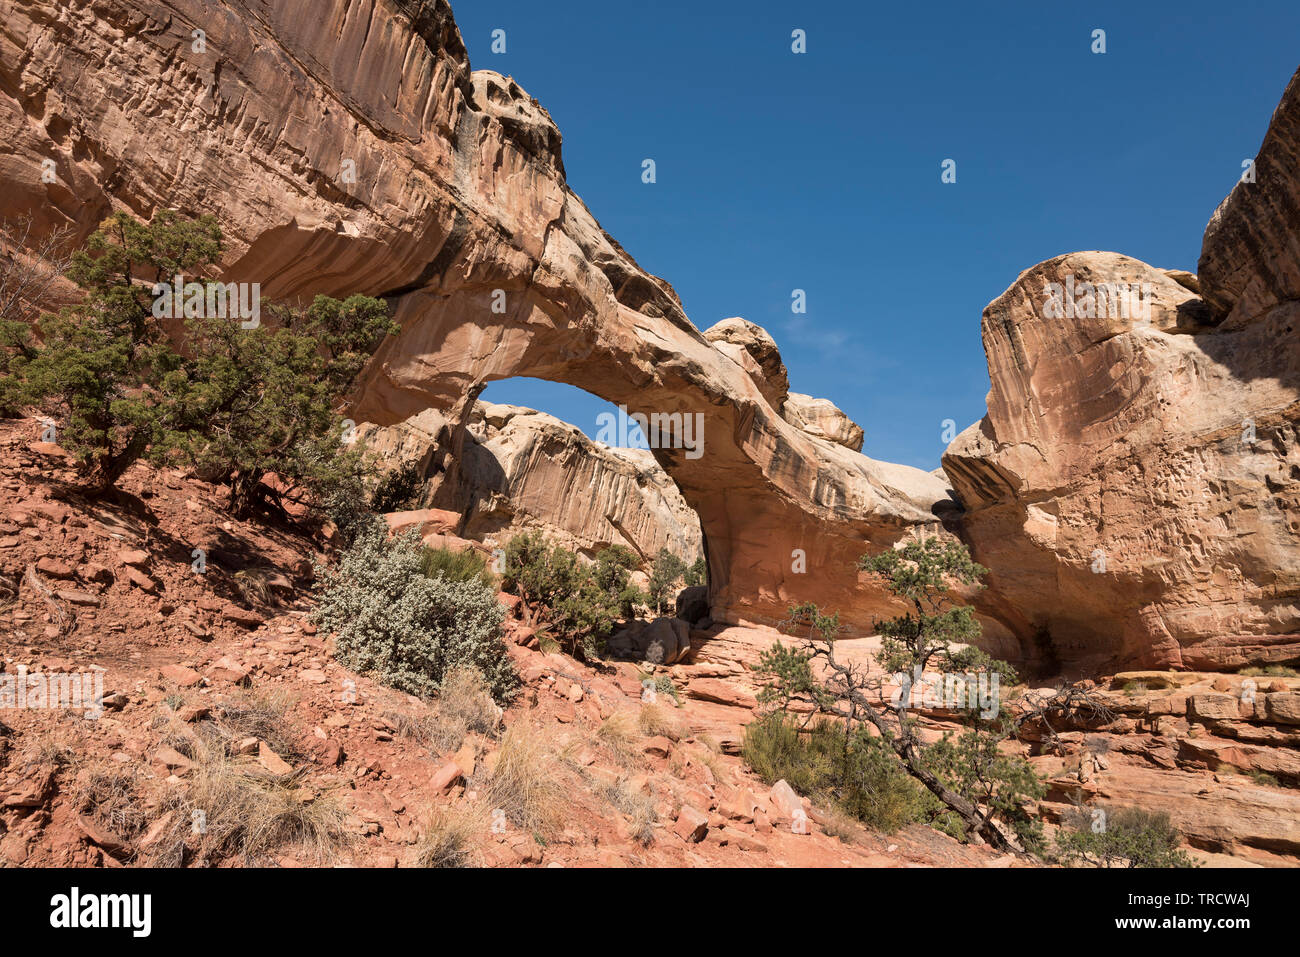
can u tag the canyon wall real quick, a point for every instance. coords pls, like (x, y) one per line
(520, 470)
(1135, 485)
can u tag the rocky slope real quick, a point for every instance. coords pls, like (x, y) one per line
(185, 656)
(1133, 485)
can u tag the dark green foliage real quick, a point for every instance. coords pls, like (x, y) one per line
(255, 401)
(462, 566)
(854, 771)
(921, 573)
(235, 403)
(1123, 837)
(973, 765)
(698, 573)
(613, 574)
(398, 489)
(578, 602)
(102, 362)
(665, 572)
(971, 786)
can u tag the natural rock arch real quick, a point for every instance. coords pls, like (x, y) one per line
(353, 150)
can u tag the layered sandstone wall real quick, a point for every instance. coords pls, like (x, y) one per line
(1134, 483)
(520, 469)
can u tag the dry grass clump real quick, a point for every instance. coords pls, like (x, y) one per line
(621, 736)
(637, 806)
(230, 808)
(712, 761)
(527, 780)
(655, 719)
(111, 795)
(227, 806)
(840, 825)
(451, 835)
(464, 705)
(57, 745)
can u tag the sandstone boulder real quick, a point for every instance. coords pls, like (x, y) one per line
(752, 348)
(822, 418)
(662, 641)
(1128, 486)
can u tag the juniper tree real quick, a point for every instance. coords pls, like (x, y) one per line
(233, 402)
(979, 789)
(100, 363)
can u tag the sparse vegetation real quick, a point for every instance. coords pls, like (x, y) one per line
(1120, 837)
(526, 781)
(576, 602)
(855, 774)
(456, 566)
(655, 719)
(979, 789)
(450, 836)
(620, 734)
(1269, 671)
(389, 618)
(228, 806)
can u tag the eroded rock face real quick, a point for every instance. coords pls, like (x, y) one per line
(1250, 258)
(822, 418)
(1132, 486)
(350, 149)
(519, 469)
(752, 348)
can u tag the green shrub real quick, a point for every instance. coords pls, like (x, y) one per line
(665, 572)
(577, 601)
(698, 573)
(1122, 837)
(463, 566)
(398, 488)
(411, 630)
(856, 773)
(236, 403)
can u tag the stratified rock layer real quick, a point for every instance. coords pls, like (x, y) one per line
(822, 418)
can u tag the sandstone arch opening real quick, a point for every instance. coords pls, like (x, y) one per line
(785, 514)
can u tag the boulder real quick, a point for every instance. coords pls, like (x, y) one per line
(692, 604)
(662, 641)
(822, 418)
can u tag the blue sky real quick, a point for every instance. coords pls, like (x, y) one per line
(821, 171)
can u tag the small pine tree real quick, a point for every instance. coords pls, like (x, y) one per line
(976, 789)
(102, 362)
(665, 572)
